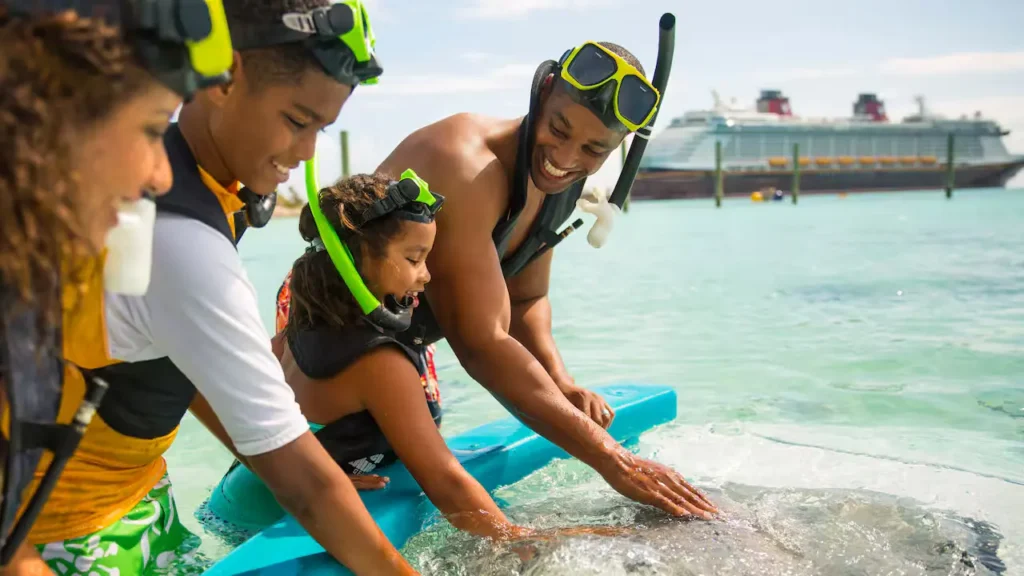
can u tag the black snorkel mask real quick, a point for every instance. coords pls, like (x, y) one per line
(185, 44)
(410, 199)
(339, 36)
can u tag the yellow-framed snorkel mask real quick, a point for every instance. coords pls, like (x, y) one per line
(185, 44)
(610, 86)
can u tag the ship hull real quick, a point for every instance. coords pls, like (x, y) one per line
(658, 185)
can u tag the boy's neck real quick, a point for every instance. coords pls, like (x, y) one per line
(195, 128)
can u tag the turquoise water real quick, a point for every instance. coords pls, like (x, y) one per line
(873, 342)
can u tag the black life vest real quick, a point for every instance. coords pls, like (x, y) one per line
(355, 441)
(148, 399)
(553, 214)
(32, 373)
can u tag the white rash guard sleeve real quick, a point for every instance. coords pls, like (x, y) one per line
(201, 312)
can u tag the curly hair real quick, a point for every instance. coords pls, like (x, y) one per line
(280, 64)
(318, 293)
(59, 74)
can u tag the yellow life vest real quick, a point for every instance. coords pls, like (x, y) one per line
(120, 457)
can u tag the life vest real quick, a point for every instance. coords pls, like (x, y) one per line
(355, 441)
(121, 456)
(32, 376)
(552, 215)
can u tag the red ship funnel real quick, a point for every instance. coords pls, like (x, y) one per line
(868, 105)
(773, 102)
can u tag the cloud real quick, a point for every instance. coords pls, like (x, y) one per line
(958, 63)
(502, 78)
(517, 9)
(816, 73)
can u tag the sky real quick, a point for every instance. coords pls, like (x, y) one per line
(442, 58)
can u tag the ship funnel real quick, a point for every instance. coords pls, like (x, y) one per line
(773, 102)
(869, 106)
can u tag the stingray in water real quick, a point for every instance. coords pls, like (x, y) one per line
(763, 532)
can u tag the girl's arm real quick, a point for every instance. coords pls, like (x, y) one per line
(390, 389)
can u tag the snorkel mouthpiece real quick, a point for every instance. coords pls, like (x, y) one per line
(605, 213)
(130, 248)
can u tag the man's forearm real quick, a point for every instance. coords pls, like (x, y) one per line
(531, 325)
(515, 377)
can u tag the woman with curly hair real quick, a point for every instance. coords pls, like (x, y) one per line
(87, 90)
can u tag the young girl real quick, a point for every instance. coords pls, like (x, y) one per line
(369, 399)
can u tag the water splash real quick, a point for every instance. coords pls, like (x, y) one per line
(765, 532)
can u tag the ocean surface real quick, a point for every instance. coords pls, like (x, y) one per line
(850, 374)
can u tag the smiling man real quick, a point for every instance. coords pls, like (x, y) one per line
(510, 184)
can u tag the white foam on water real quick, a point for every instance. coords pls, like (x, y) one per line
(709, 458)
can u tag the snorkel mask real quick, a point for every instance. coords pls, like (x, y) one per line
(339, 36)
(611, 87)
(409, 198)
(185, 44)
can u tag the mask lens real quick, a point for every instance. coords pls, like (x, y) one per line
(592, 66)
(636, 99)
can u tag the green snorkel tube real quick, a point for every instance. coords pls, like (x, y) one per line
(393, 315)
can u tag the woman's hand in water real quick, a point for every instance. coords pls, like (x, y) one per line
(369, 481)
(652, 483)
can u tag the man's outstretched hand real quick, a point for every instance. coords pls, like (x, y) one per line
(649, 482)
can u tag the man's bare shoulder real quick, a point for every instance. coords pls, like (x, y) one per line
(453, 153)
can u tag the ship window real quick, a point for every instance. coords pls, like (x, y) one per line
(843, 145)
(885, 146)
(906, 146)
(775, 145)
(729, 148)
(749, 145)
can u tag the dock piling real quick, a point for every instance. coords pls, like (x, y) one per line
(796, 172)
(344, 154)
(719, 191)
(950, 165)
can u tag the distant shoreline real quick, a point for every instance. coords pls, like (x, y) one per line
(287, 211)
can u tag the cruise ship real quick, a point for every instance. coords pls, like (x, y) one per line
(861, 153)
